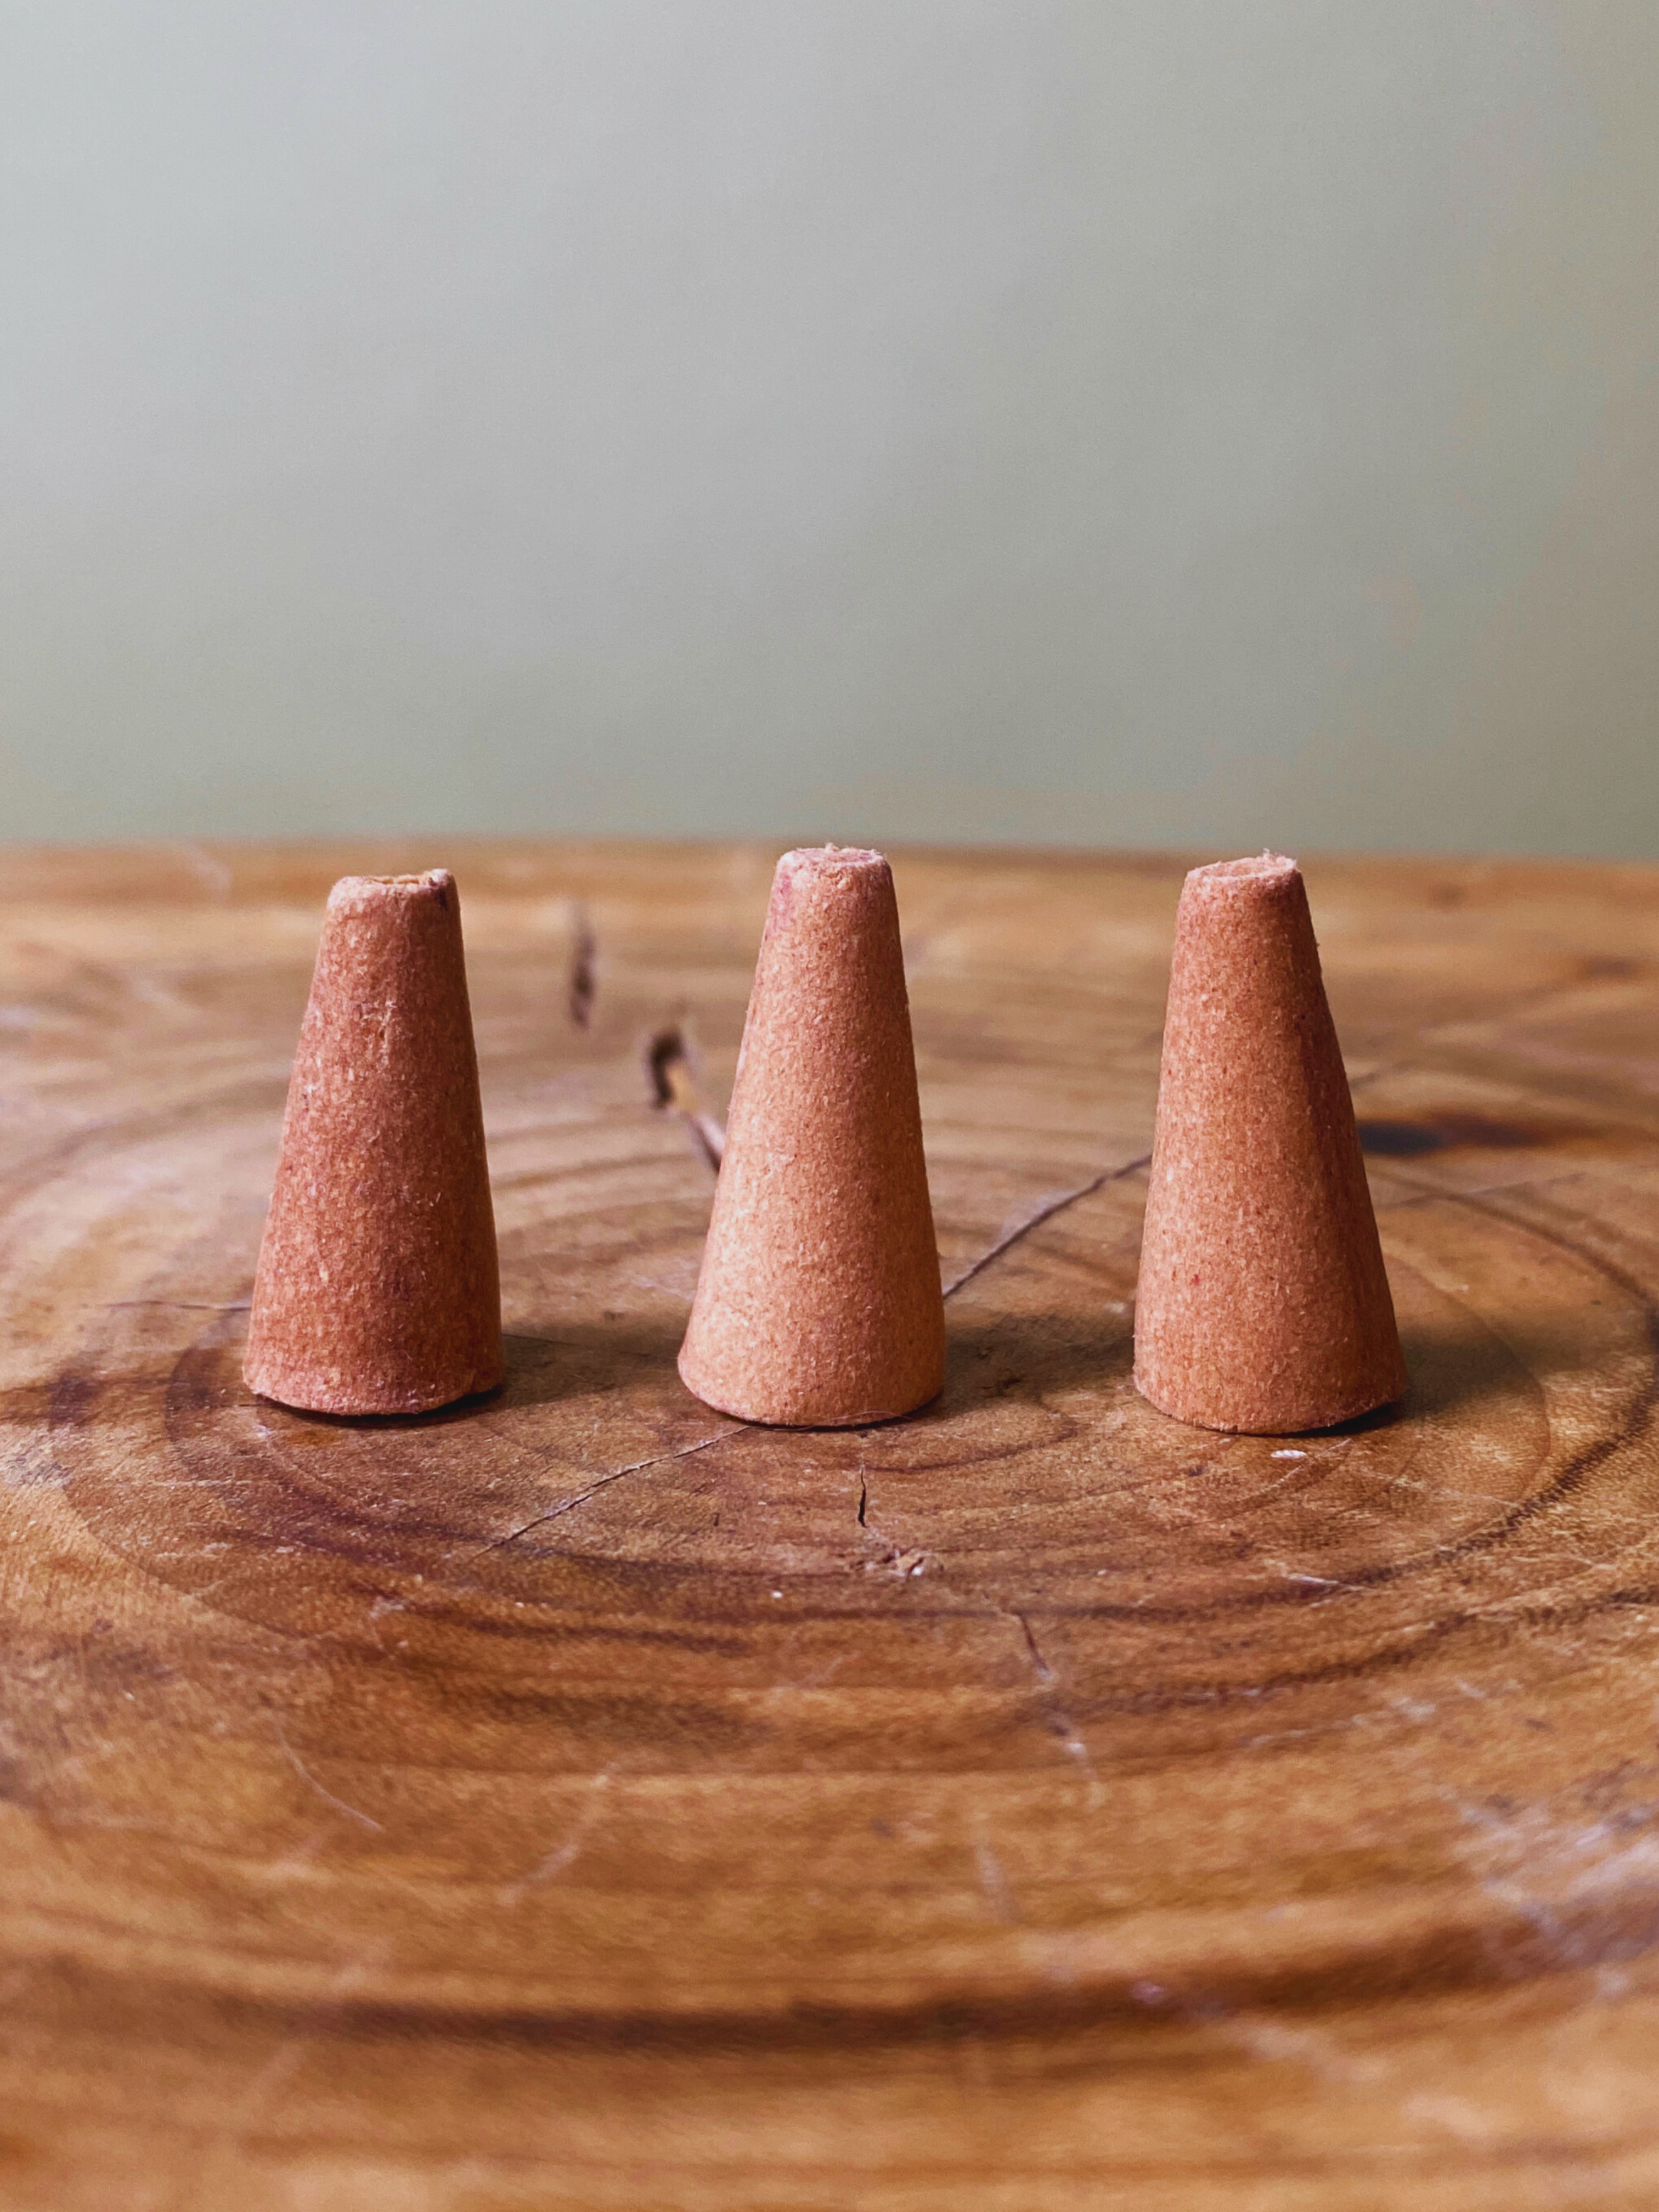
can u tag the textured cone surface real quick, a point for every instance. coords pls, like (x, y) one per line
(377, 1290)
(818, 1304)
(1262, 1303)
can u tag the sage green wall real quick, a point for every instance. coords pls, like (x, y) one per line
(1211, 422)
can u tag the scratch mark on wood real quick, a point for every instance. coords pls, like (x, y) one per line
(993, 1883)
(306, 1776)
(562, 1854)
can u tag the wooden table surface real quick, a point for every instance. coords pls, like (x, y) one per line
(581, 1800)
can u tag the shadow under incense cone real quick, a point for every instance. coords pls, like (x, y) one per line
(818, 1303)
(377, 1289)
(1262, 1303)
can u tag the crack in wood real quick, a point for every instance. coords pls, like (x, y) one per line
(584, 976)
(1042, 1209)
(569, 1504)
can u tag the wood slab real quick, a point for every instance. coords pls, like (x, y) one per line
(578, 1800)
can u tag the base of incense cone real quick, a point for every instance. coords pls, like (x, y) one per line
(762, 1415)
(377, 1290)
(1198, 1410)
(819, 1304)
(1263, 1306)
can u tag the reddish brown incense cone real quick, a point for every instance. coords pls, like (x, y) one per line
(377, 1291)
(1262, 1303)
(818, 1305)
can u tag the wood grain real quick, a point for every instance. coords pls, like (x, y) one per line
(578, 1800)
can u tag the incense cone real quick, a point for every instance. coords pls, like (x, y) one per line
(377, 1291)
(1262, 1303)
(818, 1305)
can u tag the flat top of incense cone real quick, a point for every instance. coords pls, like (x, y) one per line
(847, 857)
(1228, 876)
(364, 890)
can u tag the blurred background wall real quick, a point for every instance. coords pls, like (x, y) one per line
(1211, 422)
